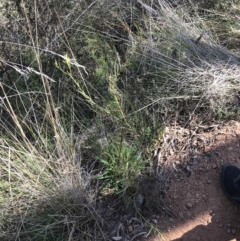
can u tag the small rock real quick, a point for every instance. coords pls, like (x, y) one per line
(209, 220)
(229, 231)
(233, 231)
(139, 200)
(188, 168)
(220, 225)
(229, 225)
(230, 148)
(180, 214)
(189, 205)
(154, 221)
(214, 166)
(118, 238)
(208, 181)
(130, 229)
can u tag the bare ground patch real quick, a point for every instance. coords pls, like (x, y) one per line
(201, 211)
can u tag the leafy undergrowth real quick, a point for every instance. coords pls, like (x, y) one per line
(87, 88)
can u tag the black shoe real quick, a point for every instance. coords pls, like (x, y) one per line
(230, 180)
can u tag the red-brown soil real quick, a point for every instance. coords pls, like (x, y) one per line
(202, 211)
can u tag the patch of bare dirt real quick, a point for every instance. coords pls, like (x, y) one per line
(201, 210)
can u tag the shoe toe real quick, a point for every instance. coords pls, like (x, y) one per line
(230, 180)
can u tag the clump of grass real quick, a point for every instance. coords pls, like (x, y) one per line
(122, 163)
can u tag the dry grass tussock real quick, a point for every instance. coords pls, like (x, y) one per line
(86, 90)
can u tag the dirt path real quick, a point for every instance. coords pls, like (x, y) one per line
(202, 211)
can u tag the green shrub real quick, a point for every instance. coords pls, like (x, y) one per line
(122, 165)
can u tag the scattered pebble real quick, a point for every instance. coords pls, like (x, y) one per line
(229, 231)
(233, 231)
(214, 166)
(154, 221)
(139, 200)
(130, 229)
(220, 225)
(180, 214)
(189, 205)
(118, 238)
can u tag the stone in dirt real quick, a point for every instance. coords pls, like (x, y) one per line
(214, 166)
(189, 205)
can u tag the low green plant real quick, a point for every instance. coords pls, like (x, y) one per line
(122, 164)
